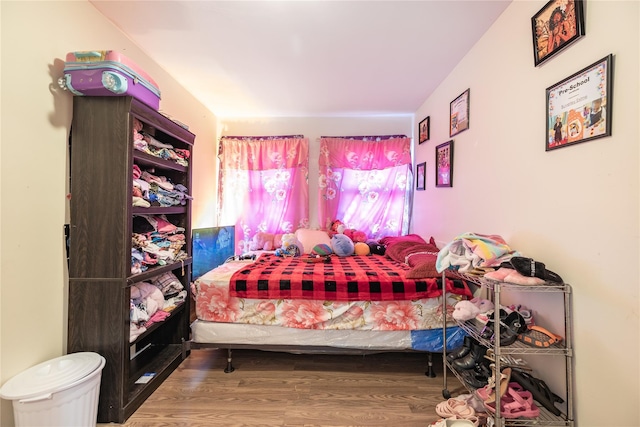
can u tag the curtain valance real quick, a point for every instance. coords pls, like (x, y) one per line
(350, 153)
(264, 153)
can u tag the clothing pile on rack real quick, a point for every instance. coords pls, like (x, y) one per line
(155, 241)
(146, 143)
(152, 190)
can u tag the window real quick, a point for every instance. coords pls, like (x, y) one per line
(263, 185)
(366, 183)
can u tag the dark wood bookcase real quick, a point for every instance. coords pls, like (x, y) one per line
(100, 241)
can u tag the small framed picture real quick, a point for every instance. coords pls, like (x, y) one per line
(421, 175)
(444, 164)
(558, 24)
(459, 114)
(423, 130)
(579, 107)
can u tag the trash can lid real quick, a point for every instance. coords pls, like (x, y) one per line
(51, 376)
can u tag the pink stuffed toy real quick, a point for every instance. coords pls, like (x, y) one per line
(483, 305)
(265, 241)
(358, 236)
(465, 310)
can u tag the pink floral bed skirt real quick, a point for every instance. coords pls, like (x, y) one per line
(214, 304)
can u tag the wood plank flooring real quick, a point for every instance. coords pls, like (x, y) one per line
(283, 389)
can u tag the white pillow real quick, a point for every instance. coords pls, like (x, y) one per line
(310, 238)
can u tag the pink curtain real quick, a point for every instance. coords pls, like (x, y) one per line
(366, 183)
(263, 185)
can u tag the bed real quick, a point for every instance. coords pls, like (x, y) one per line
(355, 304)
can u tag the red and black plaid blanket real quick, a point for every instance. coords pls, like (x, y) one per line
(353, 278)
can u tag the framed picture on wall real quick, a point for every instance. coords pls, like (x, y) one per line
(444, 164)
(424, 130)
(579, 107)
(558, 24)
(459, 114)
(421, 175)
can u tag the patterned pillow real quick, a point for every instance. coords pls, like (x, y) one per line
(322, 249)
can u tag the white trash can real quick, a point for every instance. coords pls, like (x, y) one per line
(60, 392)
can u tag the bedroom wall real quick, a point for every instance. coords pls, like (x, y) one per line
(313, 128)
(575, 208)
(36, 115)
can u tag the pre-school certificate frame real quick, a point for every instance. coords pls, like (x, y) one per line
(579, 107)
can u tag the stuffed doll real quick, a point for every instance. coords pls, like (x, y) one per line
(337, 227)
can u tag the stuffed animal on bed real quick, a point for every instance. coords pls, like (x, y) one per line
(356, 236)
(265, 241)
(291, 246)
(375, 247)
(338, 227)
(361, 248)
(342, 245)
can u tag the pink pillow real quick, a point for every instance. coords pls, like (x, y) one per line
(310, 238)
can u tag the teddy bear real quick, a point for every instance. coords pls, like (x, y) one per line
(265, 241)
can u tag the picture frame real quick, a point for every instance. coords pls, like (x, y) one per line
(459, 113)
(421, 176)
(579, 107)
(424, 130)
(444, 164)
(556, 26)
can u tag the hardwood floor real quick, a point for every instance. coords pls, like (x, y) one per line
(283, 389)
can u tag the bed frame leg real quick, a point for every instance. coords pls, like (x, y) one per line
(430, 373)
(229, 367)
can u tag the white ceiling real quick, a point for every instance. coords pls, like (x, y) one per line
(306, 58)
